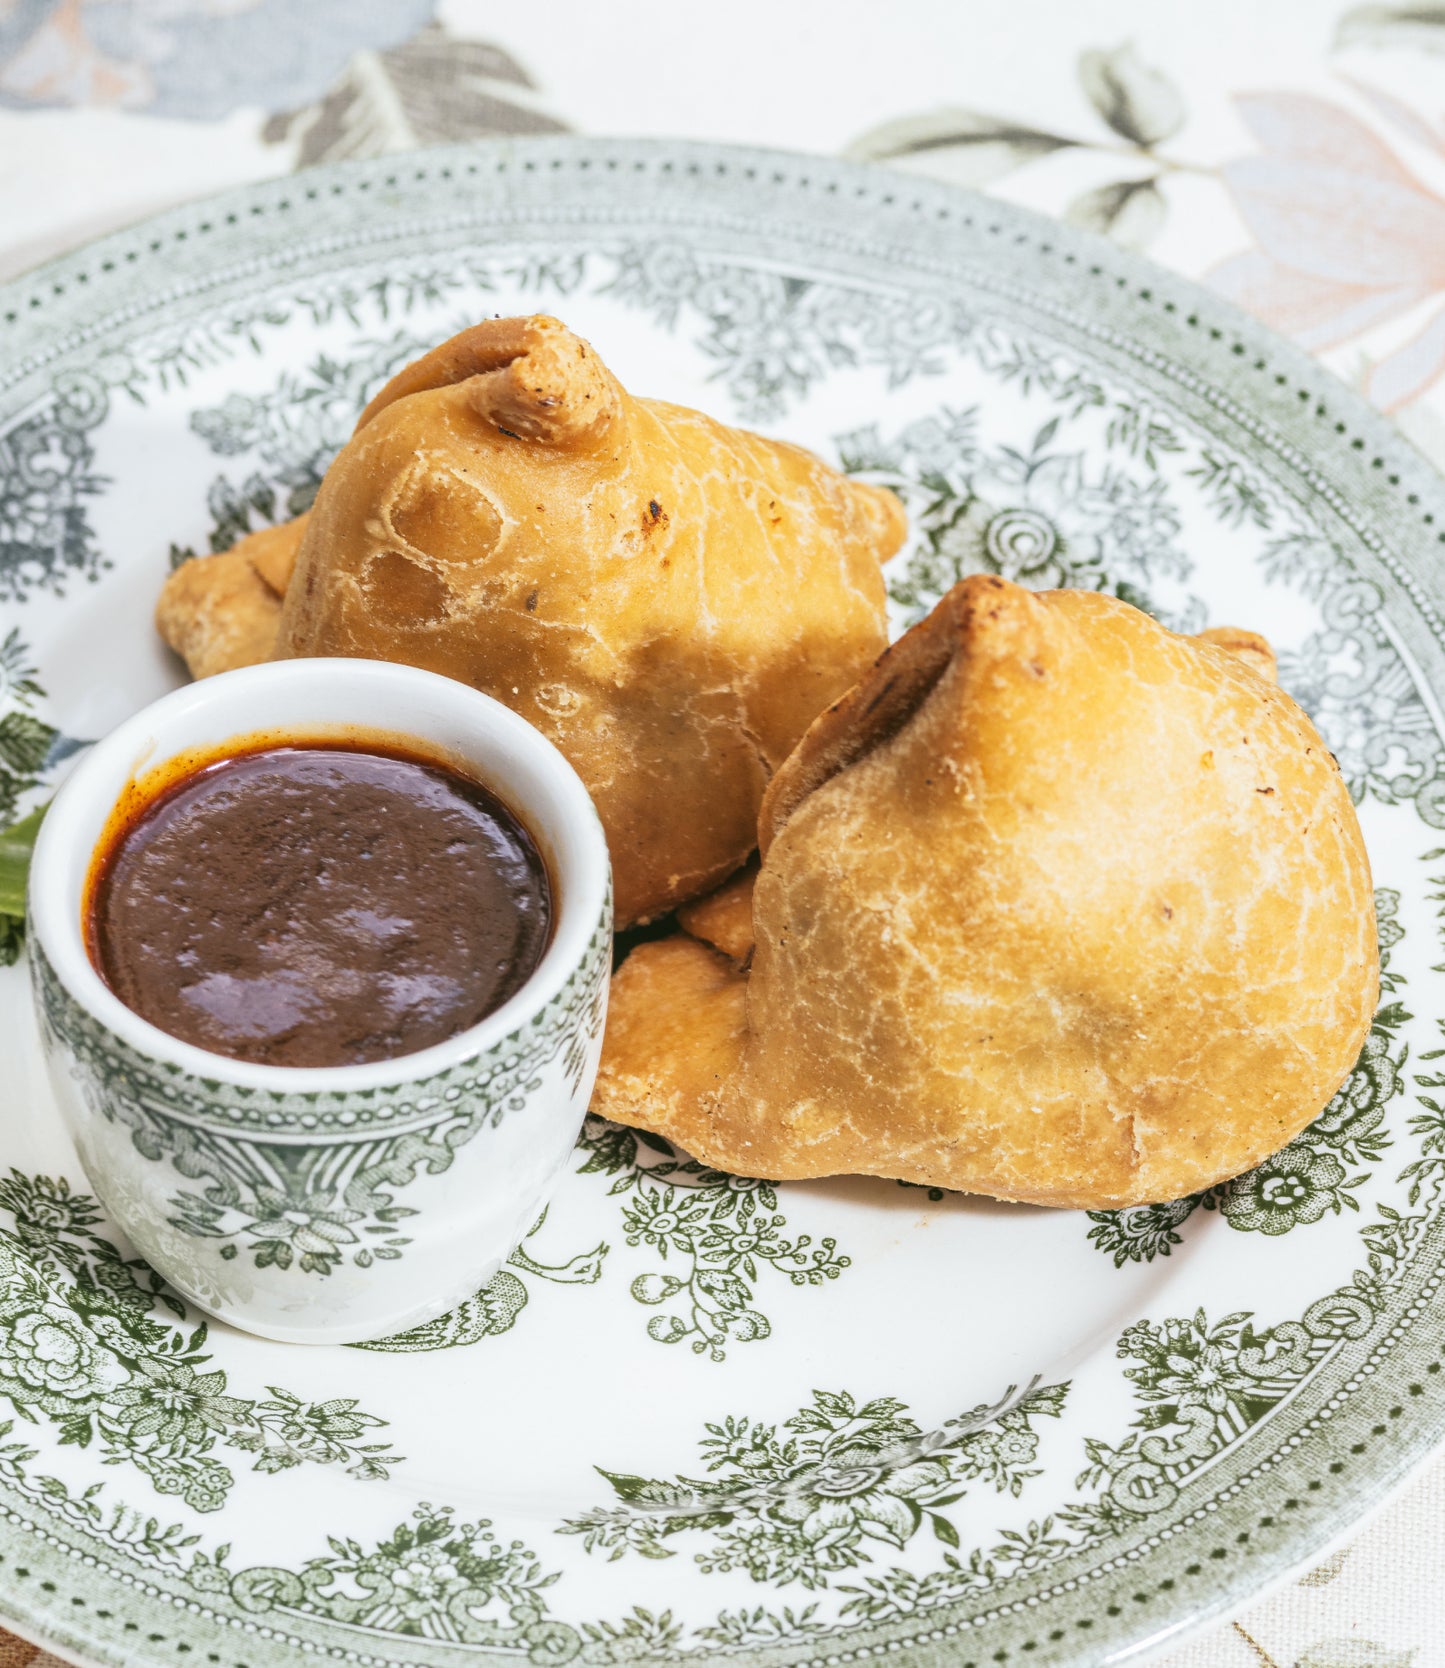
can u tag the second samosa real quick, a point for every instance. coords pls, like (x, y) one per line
(1055, 905)
(670, 600)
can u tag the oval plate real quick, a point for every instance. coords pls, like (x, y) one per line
(699, 1415)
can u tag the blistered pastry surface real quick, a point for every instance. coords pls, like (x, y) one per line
(1091, 924)
(668, 599)
(670, 605)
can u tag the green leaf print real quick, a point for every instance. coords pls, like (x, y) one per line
(94, 1343)
(495, 1308)
(818, 1494)
(719, 1234)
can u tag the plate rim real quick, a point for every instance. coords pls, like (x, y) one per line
(58, 299)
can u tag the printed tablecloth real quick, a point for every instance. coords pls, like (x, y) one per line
(1290, 153)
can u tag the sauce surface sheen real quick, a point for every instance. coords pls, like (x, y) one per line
(319, 905)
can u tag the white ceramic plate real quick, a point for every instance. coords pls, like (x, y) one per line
(703, 1417)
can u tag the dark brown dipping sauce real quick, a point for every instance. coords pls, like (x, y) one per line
(319, 905)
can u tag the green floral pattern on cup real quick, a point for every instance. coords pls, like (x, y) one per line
(311, 1207)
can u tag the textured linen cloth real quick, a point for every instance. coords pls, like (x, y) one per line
(1291, 154)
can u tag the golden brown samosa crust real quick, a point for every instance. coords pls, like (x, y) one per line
(1247, 646)
(1055, 906)
(724, 918)
(273, 551)
(669, 600)
(679, 1000)
(220, 612)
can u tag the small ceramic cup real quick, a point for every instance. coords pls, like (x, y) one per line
(328, 1205)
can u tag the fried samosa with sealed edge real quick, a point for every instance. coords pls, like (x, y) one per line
(670, 600)
(1055, 905)
(220, 612)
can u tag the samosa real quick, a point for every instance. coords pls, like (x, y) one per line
(1055, 905)
(670, 600)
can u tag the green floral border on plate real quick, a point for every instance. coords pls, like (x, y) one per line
(1342, 1434)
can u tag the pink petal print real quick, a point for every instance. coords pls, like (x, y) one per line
(1409, 123)
(1314, 130)
(58, 63)
(1406, 373)
(1340, 226)
(1316, 312)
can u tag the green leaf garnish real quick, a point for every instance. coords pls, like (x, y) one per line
(17, 843)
